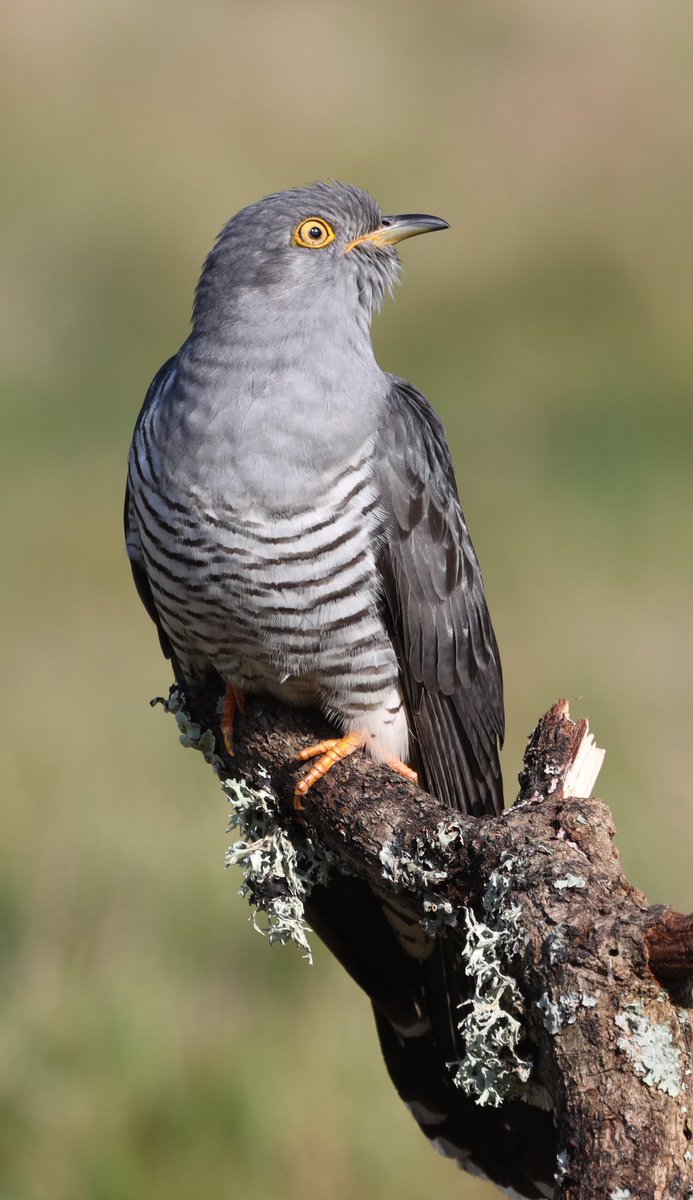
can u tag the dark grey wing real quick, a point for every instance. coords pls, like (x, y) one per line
(451, 679)
(132, 538)
(436, 611)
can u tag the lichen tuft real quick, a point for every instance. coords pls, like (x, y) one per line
(492, 1069)
(190, 734)
(421, 870)
(278, 872)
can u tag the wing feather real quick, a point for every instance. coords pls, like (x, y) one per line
(437, 612)
(451, 679)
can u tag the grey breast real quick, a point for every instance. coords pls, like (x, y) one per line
(284, 599)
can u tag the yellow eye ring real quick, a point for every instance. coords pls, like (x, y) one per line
(314, 233)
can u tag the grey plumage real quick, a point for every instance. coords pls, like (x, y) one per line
(293, 524)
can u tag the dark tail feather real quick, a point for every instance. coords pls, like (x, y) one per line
(513, 1146)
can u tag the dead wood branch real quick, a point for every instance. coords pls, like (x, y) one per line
(603, 976)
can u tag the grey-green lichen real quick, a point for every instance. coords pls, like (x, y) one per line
(492, 1069)
(278, 873)
(421, 871)
(555, 946)
(190, 734)
(650, 1048)
(620, 1194)
(564, 1010)
(570, 881)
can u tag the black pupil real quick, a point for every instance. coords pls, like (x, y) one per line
(315, 232)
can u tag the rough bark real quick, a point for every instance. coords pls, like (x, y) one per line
(604, 977)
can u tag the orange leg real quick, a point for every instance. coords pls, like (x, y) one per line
(332, 751)
(234, 701)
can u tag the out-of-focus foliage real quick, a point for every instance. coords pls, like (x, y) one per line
(152, 1045)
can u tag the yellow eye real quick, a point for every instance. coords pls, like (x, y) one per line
(314, 233)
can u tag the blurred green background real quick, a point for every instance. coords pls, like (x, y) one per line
(151, 1044)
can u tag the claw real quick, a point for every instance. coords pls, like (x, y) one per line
(331, 751)
(327, 753)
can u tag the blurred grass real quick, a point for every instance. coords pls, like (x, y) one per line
(151, 1044)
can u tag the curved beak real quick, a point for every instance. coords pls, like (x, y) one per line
(396, 229)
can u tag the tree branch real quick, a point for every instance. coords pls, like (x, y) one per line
(670, 949)
(603, 976)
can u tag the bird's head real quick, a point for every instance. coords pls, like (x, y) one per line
(301, 247)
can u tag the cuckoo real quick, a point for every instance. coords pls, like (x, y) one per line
(293, 526)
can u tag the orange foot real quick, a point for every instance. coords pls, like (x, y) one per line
(332, 751)
(234, 701)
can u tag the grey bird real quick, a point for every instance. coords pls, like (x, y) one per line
(293, 527)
